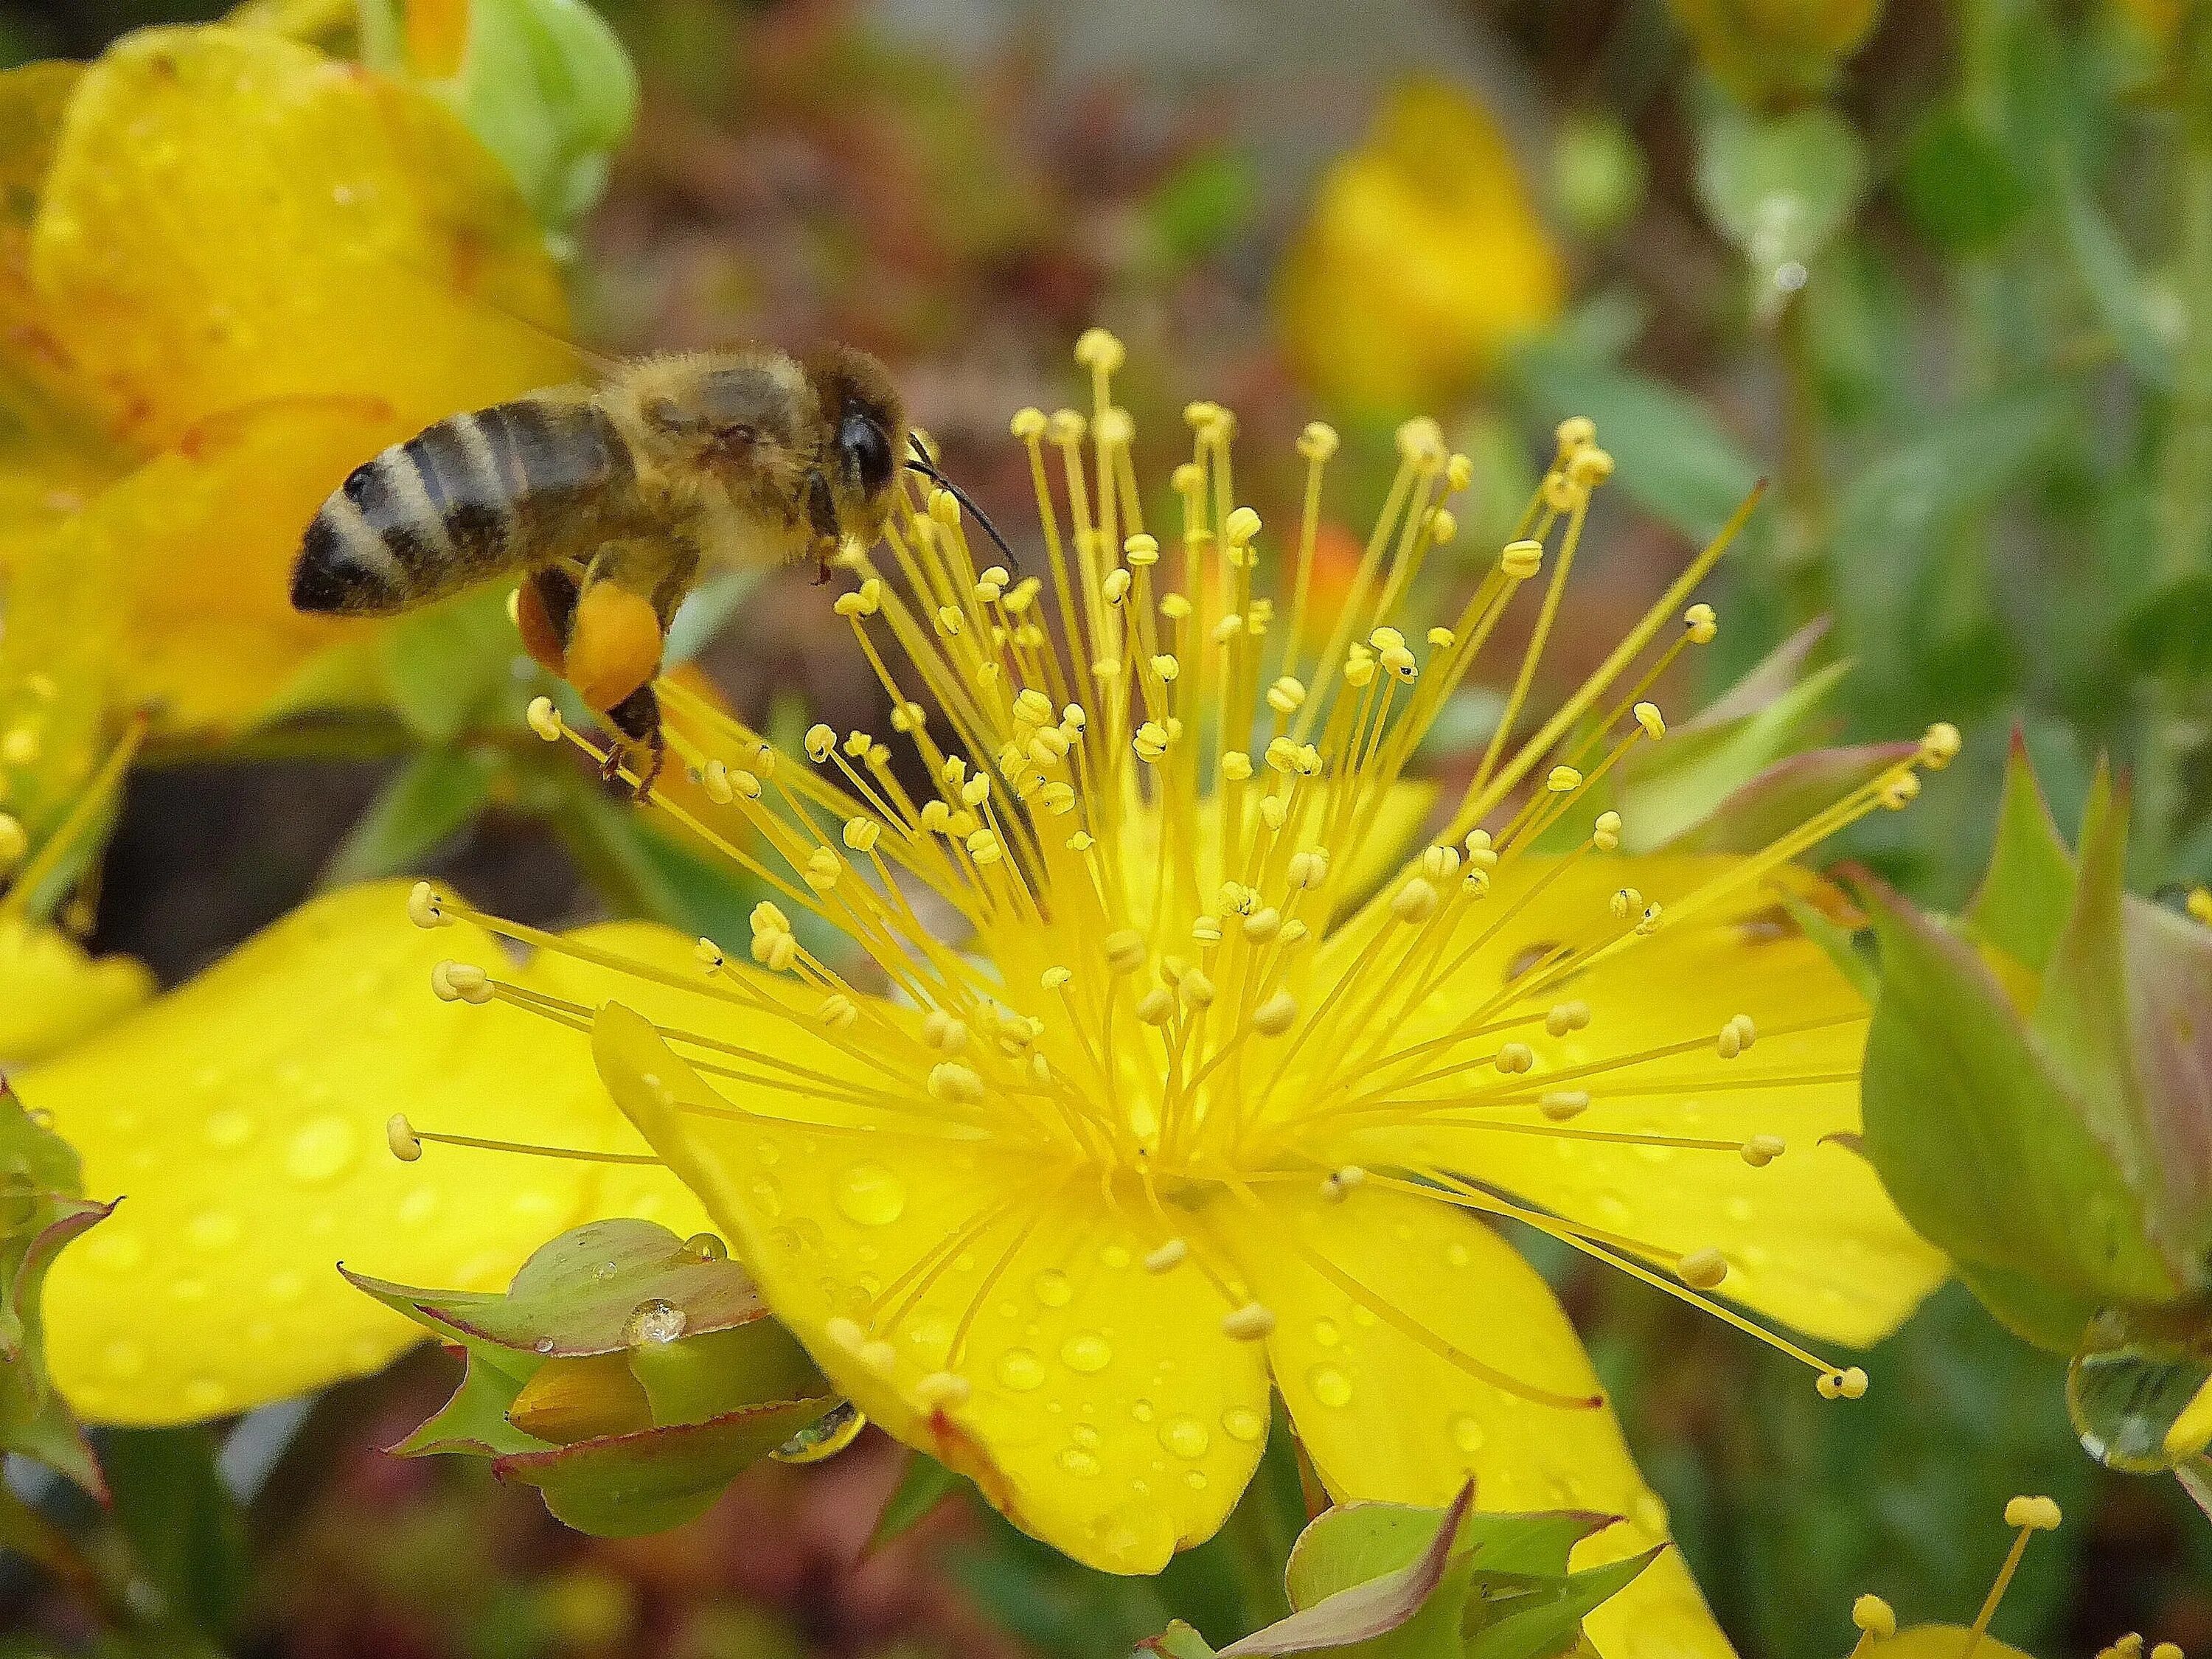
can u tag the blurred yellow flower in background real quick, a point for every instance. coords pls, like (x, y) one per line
(1776, 51)
(231, 269)
(1422, 257)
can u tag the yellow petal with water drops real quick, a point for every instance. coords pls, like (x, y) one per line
(1937, 1642)
(53, 992)
(234, 218)
(189, 560)
(1716, 1154)
(980, 1303)
(1386, 1307)
(240, 1119)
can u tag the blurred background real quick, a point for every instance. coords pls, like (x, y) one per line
(1942, 273)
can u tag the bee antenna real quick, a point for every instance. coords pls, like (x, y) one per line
(921, 464)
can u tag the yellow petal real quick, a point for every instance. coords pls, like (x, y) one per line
(1937, 1642)
(53, 992)
(233, 218)
(241, 1119)
(1811, 1238)
(1384, 1416)
(227, 505)
(1096, 1403)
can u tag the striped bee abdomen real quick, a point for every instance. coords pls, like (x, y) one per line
(518, 485)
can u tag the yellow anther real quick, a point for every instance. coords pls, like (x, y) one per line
(1421, 441)
(838, 1011)
(1175, 607)
(1340, 1182)
(715, 777)
(1100, 351)
(1562, 1104)
(1201, 414)
(1141, 550)
(1416, 901)
(861, 834)
(1053, 978)
(768, 917)
(1125, 950)
(1515, 1058)
(2200, 904)
(850, 606)
(1261, 924)
(14, 842)
(1206, 929)
(1440, 863)
(1567, 1018)
(1115, 588)
(908, 717)
(1480, 850)
(1307, 870)
(1295, 933)
(955, 1084)
(1901, 791)
(1241, 526)
(983, 847)
(1274, 812)
(1575, 433)
(1197, 990)
(1252, 1322)
(1058, 798)
(1939, 745)
(2166, 1650)
(1318, 442)
(1235, 766)
(460, 981)
(1157, 1005)
(1228, 627)
(1647, 923)
(1702, 1270)
(1605, 834)
(1522, 559)
(1703, 623)
(1274, 1016)
(2036, 1514)
(424, 907)
(1167, 1257)
(989, 592)
(949, 621)
(1066, 426)
(1172, 969)
(1359, 669)
(399, 1135)
(1166, 666)
(1627, 902)
(1151, 741)
(823, 867)
(1444, 528)
(1286, 695)
(708, 955)
(1589, 468)
(1564, 780)
(1761, 1150)
(1874, 1616)
(1849, 1384)
(1648, 717)
(2127, 1647)
(821, 742)
(545, 719)
(976, 791)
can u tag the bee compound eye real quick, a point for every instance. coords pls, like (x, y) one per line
(868, 450)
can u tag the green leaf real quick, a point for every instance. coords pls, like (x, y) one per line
(2022, 903)
(1178, 1641)
(625, 1486)
(926, 1484)
(431, 797)
(447, 663)
(2169, 975)
(1981, 1147)
(40, 1211)
(1364, 1606)
(2115, 288)
(1674, 460)
(188, 1531)
(1779, 186)
(1960, 185)
(474, 1422)
(1518, 1616)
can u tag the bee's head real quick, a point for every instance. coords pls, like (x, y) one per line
(867, 423)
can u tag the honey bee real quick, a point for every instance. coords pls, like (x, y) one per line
(609, 499)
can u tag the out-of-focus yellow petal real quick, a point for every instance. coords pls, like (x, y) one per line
(192, 556)
(1936, 1641)
(240, 1119)
(1811, 1238)
(1096, 1403)
(233, 218)
(54, 993)
(1422, 257)
(1385, 1416)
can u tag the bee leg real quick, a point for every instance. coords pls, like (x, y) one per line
(637, 717)
(822, 516)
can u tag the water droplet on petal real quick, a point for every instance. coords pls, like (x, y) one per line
(1086, 1350)
(651, 1321)
(545, 1344)
(1020, 1369)
(1244, 1424)
(1078, 1462)
(1326, 1333)
(1052, 1288)
(1330, 1386)
(1086, 1436)
(1467, 1433)
(705, 1247)
(321, 1151)
(1186, 1437)
(869, 1195)
(228, 1130)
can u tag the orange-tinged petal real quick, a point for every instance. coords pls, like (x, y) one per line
(232, 217)
(54, 993)
(241, 1120)
(1810, 1238)
(1383, 1415)
(1097, 1403)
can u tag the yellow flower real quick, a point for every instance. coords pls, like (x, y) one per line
(1775, 51)
(1421, 259)
(1198, 1105)
(231, 269)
